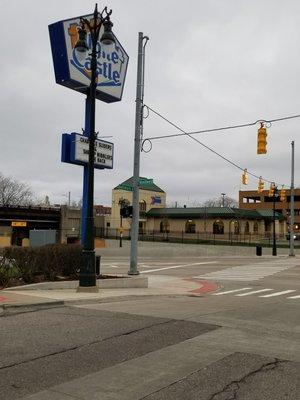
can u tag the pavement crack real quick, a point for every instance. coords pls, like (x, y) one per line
(233, 387)
(73, 348)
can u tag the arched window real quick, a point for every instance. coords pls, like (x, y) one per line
(190, 226)
(165, 226)
(234, 227)
(255, 227)
(218, 227)
(143, 206)
(247, 228)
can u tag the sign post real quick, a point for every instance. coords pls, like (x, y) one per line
(88, 58)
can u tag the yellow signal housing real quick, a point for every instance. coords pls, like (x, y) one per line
(262, 139)
(260, 185)
(245, 177)
(282, 194)
(272, 189)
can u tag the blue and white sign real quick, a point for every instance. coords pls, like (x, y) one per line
(75, 150)
(75, 73)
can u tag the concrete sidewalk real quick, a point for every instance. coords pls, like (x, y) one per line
(158, 285)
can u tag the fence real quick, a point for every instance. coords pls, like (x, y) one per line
(196, 238)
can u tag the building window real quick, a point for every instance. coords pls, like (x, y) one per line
(247, 228)
(190, 226)
(142, 206)
(218, 227)
(234, 227)
(164, 226)
(108, 224)
(255, 227)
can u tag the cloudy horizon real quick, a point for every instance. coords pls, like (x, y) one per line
(208, 65)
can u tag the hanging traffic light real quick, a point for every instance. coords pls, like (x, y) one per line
(260, 185)
(245, 177)
(262, 139)
(272, 189)
(282, 194)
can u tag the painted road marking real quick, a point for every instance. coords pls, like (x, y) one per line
(232, 291)
(250, 272)
(253, 292)
(294, 297)
(177, 266)
(278, 293)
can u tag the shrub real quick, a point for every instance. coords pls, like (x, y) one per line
(48, 262)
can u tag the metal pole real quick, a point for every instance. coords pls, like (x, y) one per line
(136, 166)
(87, 275)
(69, 199)
(274, 251)
(292, 211)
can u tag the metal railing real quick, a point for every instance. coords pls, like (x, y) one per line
(250, 239)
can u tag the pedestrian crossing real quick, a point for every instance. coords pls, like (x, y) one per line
(247, 291)
(248, 272)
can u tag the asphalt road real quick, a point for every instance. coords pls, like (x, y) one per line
(241, 342)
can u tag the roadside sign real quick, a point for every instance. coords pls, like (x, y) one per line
(19, 223)
(75, 150)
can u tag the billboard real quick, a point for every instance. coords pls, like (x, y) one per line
(75, 150)
(75, 73)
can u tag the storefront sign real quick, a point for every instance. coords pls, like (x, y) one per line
(19, 223)
(75, 150)
(75, 73)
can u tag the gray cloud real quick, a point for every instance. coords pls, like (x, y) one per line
(208, 64)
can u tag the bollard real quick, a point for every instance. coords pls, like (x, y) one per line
(98, 265)
(258, 250)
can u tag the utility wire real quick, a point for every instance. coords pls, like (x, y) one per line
(267, 121)
(189, 134)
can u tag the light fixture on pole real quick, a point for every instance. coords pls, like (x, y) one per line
(87, 275)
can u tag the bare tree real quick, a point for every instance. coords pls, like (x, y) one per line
(14, 193)
(221, 201)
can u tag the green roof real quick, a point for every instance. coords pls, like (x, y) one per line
(144, 184)
(212, 212)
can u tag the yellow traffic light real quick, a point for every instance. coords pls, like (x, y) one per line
(260, 185)
(272, 189)
(245, 177)
(262, 139)
(282, 194)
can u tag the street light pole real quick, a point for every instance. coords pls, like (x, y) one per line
(87, 275)
(274, 250)
(223, 199)
(137, 150)
(292, 208)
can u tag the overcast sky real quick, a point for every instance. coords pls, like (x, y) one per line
(208, 64)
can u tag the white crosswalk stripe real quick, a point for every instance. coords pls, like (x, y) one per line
(253, 292)
(278, 293)
(249, 272)
(231, 291)
(256, 293)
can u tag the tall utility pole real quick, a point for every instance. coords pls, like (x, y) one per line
(292, 211)
(137, 151)
(274, 250)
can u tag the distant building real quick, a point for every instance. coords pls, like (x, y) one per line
(151, 196)
(214, 220)
(252, 200)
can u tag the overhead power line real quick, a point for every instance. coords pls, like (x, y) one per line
(189, 134)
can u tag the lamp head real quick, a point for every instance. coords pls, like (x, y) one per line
(81, 46)
(107, 38)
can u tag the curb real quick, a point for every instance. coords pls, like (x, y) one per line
(8, 309)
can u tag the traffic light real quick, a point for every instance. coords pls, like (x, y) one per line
(261, 185)
(245, 177)
(262, 140)
(272, 189)
(282, 194)
(126, 212)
